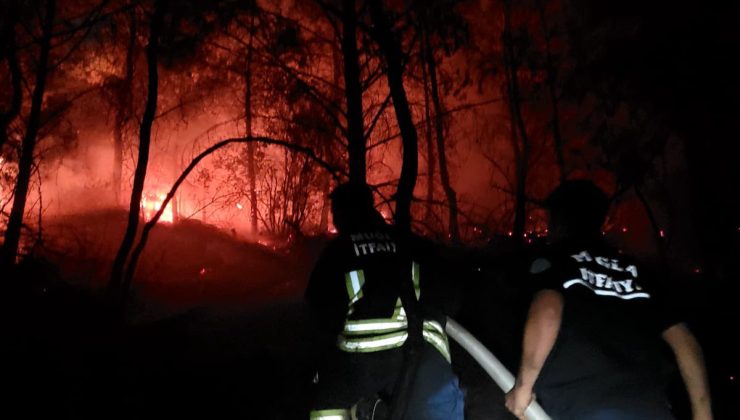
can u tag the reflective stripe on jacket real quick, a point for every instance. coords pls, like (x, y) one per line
(371, 335)
(334, 414)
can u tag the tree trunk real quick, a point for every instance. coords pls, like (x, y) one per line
(353, 91)
(552, 89)
(391, 49)
(520, 139)
(175, 209)
(439, 128)
(325, 204)
(25, 165)
(251, 169)
(123, 108)
(658, 233)
(7, 43)
(329, 150)
(429, 215)
(116, 285)
(117, 158)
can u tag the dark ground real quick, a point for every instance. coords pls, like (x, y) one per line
(215, 329)
(65, 359)
(202, 363)
(232, 342)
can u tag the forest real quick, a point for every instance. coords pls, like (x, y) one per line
(165, 169)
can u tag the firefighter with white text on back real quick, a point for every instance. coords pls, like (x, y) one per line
(373, 295)
(592, 339)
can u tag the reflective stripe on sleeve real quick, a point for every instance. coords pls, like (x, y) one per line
(355, 280)
(415, 278)
(399, 313)
(435, 335)
(434, 326)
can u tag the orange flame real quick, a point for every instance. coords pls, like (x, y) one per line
(150, 205)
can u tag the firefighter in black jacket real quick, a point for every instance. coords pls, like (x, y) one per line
(592, 340)
(368, 287)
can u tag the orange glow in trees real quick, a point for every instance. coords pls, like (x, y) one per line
(151, 203)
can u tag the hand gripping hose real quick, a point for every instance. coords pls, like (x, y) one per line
(503, 378)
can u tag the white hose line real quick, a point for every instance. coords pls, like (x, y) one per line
(498, 372)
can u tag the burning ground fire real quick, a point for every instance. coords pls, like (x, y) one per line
(150, 205)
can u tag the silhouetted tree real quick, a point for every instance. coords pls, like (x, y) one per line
(13, 232)
(123, 94)
(391, 47)
(440, 19)
(9, 55)
(251, 168)
(519, 138)
(353, 91)
(145, 131)
(552, 90)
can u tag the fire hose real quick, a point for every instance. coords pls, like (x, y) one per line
(495, 369)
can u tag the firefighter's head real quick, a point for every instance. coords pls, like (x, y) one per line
(352, 206)
(577, 210)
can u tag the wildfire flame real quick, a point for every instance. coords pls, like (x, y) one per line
(150, 205)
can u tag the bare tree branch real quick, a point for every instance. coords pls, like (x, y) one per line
(131, 268)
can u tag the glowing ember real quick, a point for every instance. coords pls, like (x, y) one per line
(151, 203)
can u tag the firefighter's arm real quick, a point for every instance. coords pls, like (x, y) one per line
(540, 332)
(690, 362)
